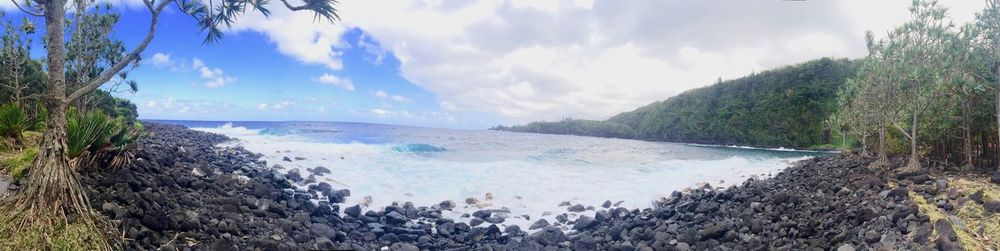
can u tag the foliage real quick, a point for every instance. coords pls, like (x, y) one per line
(575, 127)
(13, 122)
(782, 107)
(928, 82)
(96, 139)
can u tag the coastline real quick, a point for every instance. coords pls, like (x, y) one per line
(183, 191)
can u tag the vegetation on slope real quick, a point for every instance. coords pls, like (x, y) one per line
(781, 107)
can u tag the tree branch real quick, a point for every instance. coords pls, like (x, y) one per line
(132, 56)
(26, 10)
(896, 125)
(294, 8)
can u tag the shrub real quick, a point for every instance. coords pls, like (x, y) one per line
(13, 122)
(97, 139)
(88, 133)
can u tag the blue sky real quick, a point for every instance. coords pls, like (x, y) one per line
(480, 63)
(259, 83)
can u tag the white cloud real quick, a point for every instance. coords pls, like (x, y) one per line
(284, 104)
(546, 59)
(330, 79)
(381, 94)
(299, 35)
(379, 112)
(214, 77)
(161, 60)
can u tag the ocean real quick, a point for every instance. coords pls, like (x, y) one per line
(527, 174)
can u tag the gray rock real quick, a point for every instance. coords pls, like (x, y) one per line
(540, 223)
(584, 222)
(845, 247)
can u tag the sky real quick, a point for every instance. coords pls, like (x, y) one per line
(476, 64)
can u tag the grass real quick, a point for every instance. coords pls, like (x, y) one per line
(974, 215)
(971, 214)
(74, 236)
(16, 164)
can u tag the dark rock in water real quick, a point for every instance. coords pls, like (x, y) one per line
(549, 236)
(540, 223)
(446, 229)
(475, 222)
(353, 211)
(293, 175)
(471, 201)
(319, 170)
(512, 230)
(300, 158)
(607, 204)
(482, 214)
(584, 222)
(447, 205)
(577, 208)
(395, 218)
(564, 204)
(286, 158)
(495, 219)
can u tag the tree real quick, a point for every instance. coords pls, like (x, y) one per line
(915, 52)
(17, 65)
(988, 23)
(52, 191)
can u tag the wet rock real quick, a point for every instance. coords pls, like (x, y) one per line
(584, 222)
(447, 205)
(577, 208)
(540, 223)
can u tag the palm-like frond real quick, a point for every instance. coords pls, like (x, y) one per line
(13, 122)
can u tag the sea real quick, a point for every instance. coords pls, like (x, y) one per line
(529, 175)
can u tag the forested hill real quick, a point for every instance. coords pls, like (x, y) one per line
(784, 107)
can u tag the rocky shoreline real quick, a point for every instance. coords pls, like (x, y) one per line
(183, 192)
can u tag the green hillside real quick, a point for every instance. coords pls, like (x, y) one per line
(780, 107)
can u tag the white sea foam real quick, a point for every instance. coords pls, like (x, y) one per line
(533, 185)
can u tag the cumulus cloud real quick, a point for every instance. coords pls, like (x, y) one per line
(330, 79)
(160, 60)
(546, 59)
(214, 77)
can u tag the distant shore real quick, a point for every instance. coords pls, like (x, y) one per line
(184, 191)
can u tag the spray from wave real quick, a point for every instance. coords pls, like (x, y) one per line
(529, 184)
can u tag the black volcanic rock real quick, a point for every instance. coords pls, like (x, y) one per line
(237, 202)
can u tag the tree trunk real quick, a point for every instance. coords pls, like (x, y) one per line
(882, 161)
(998, 109)
(967, 141)
(52, 192)
(864, 146)
(914, 163)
